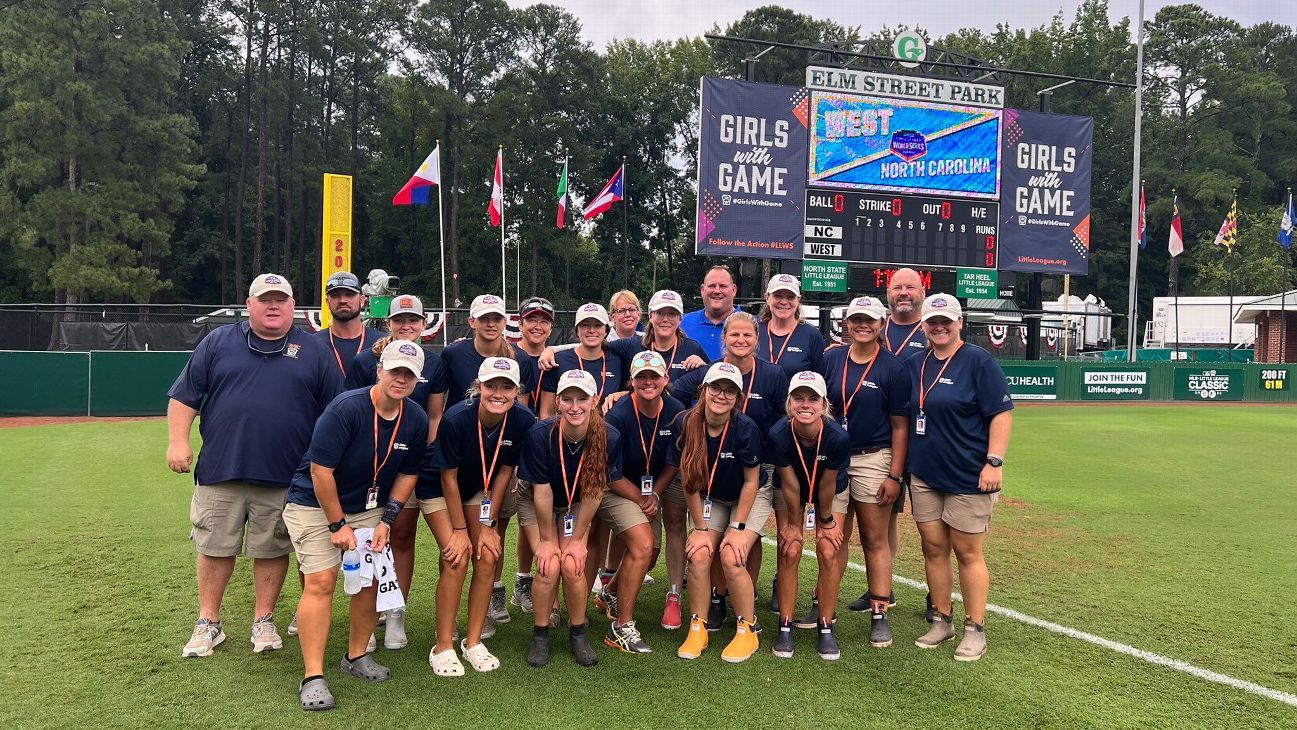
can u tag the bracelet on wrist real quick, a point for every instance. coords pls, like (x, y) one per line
(392, 511)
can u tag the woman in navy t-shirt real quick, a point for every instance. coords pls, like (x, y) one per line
(784, 338)
(961, 418)
(591, 354)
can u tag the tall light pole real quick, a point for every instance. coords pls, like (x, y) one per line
(1132, 321)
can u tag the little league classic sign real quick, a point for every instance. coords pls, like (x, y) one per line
(1210, 384)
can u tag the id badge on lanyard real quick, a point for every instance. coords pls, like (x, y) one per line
(371, 497)
(569, 524)
(645, 485)
(920, 424)
(707, 510)
(809, 522)
(484, 514)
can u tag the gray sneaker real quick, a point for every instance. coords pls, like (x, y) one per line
(394, 634)
(366, 668)
(292, 625)
(606, 601)
(206, 637)
(973, 646)
(626, 638)
(522, 593)
(488, 628)
(498, 611)
(943, 630)
(265, 635)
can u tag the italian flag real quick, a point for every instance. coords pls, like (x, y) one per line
(561, 221)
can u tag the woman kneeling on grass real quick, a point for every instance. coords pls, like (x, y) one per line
(569, 461)
(365, 452)
(472, 465)
(810, 453)
(718, 453)
(961, 420)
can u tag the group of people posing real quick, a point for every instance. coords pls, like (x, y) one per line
(688, 434)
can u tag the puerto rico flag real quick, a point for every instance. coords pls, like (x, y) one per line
(497, 191)
(419, 190)
(611, 193)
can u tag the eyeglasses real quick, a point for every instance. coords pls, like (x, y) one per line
(721, 391)
(625, 310)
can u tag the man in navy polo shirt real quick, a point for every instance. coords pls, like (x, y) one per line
(259, 386)
(704, 325)
(902, 335)
(346, 336)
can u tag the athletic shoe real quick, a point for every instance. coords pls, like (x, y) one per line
(607, 602)
(488, 628)
(498, 611)
(973, 646)
(626, 638)
(522, 593)
(581, 649)
(756, 626)
(372, 645)
(744, 644)
(717, 613)
(864, 604)
(265, 635)
(880, 631)
(774, 597)
(292, 627)
(206, 637)
(828, 646)
(784, 640)
(648, 580)
(478, 657)
(696, 641)
(671, 614)
(811, 618)
(943, 630)
(555, 618)
(366, 668)
(538, 654)
(930, 610)
(394, 635)
(382, 618)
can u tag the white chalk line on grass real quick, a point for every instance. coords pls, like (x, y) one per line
(1127, 649)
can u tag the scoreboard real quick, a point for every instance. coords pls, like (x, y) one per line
(918, 230)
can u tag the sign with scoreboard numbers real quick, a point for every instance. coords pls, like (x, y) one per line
(912, 230)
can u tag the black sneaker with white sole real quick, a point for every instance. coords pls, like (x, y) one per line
(626, 638)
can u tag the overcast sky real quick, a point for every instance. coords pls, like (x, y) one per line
(650, 20)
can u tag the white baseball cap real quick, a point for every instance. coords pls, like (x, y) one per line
(268, 283)
(941, 305)
(579, 379)
(810, 380)
(784, 282)
(868, 306)
(724, 371)
(499, 367)
(487, 304)
(402, 354)
(648, 360)
(405, 304)
(593, 311)
(666, 299)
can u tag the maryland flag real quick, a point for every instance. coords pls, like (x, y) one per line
(1227, 236)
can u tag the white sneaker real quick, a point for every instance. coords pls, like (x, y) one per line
(372, 645)
(445, 664)
(394, 635)
(292, 625)
(479, 657)
(265, 635)
(206, 637)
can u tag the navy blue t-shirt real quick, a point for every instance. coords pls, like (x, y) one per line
(675, 357)
(742, 448)
(765, 397)
(885, 393)
(256, 411)
(834, 453)
(457, 447)
(343, 351)
(364, 372)
(526, 357)
(462, 362)
(607, 371)
(541, 464)
(344, 441)
(801, 349)
(638, 433)
(951, 453)
(904, 340)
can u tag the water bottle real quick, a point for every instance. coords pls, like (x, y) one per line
(351, 580)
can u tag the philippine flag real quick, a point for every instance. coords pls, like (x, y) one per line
(418, 190)
(611, 193)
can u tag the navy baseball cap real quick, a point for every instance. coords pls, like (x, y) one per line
(342, 280)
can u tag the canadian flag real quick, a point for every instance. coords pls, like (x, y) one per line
(497, 191)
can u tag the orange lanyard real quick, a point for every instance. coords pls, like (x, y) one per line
(770, 343)
(846, 364)
(670, 360)
(648, 448)
(603, 369)
(814, 471)
(338, 356)
(923, 392)
(400, 413)
(887, 338)
(751, 382)
(569, 488)
(711, 477)
(488, 472)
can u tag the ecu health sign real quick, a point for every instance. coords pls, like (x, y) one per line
(1032, 382)
(751, 170)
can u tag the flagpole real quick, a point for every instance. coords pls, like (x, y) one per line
(625, 228)
(1175, 274)
(504, 275)
(1283, 291)
(441, 230)
(1131, 314)
(1229, 261)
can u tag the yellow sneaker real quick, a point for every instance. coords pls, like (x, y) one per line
(696, 642)
(744, 645)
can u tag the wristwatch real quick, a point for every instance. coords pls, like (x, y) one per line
(740, 526)
(894, 478)
(489, 523)
(995, 461)
(335, 526)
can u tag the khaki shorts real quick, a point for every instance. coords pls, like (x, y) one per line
(509, 503)
(866, 474)
(428, 506)
(841, 501)
(674, 492)
(758, 516)
(310, 530)
(965, 512)
(221, 513)
(620, 514)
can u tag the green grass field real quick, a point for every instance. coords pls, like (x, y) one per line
(1166, 528)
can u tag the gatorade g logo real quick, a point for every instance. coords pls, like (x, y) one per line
(910, 48)
(407, 349)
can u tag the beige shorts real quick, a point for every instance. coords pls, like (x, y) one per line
(428, 506)
(310, 533)
(674, 492)
(866, 474)
(841, 501)
(965, 512)
(509, 503)
(620, 514)
(221, 513)
(758, 516)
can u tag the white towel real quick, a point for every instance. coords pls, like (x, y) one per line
(379, 568)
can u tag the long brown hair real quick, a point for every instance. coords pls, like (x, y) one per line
(594, 475)
(693, 446)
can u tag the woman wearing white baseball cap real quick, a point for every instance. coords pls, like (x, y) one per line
(961, 418)
(869, 389)
(663, 336)
(786, 339)
(717, 450)
(591, 355)
(405, 321)
(486, 316)
(460, 491)
(568, 461)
